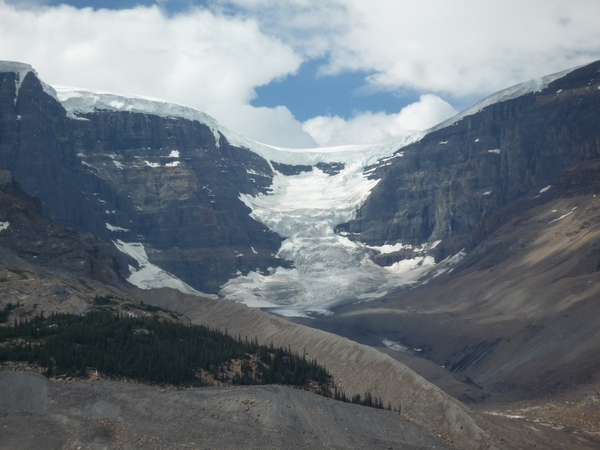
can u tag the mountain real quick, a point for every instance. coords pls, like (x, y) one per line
(468, 252)
(493, 154)
(197, 207)
(169, 183)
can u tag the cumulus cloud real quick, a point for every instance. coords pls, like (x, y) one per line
(370, 128)
(214, 57)
(201, 58)
(275, 126)
(459, 48)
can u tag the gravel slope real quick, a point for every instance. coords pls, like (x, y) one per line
(36, 413)
(358, 368)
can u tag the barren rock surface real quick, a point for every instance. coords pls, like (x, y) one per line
(359, 368)
(36, 413)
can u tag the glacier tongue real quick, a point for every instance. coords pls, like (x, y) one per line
(329, 268)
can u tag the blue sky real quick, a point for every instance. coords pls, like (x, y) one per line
(303, 73)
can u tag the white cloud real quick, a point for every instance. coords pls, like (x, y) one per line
(214, 58)
(459, 48)
(276, 126)
(201, 58)
(369, 128)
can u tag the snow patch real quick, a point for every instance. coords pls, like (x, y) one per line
(397, 155)
(561, 217)
(392, 345)
(496, 151)
(391, 248)
(4, 225)
(173, 154)
(545, 189)
(151, 164)
(487, 193)
(173, 164)
(149, 276)
(253, 172)
(387, 248)
(113, 228)
(407, 265)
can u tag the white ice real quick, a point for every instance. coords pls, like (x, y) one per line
(329, 268)
(80, 101)
(518, 90)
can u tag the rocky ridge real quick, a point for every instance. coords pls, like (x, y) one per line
(443, 185)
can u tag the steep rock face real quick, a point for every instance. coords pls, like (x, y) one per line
(162, 181)
(441, 186)
(39, 241)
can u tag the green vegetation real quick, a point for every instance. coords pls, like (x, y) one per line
(150, 350)
(366, 400)
(104, 300)
(154, 350)
(4, 312)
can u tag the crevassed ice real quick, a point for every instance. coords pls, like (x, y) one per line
(329, 268)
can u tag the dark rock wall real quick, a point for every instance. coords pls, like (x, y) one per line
(41, 242)
(448, 181)
(95, 171)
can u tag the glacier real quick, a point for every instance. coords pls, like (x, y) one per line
(329, 268)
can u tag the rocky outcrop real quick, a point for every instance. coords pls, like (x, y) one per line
(448, 181)
(39, 241)
(162, 181)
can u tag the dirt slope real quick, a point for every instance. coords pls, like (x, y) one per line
(359, 368)
(36, 413)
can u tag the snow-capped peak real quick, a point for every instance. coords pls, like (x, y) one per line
(82, 101)
(21, 70)
(516, 91)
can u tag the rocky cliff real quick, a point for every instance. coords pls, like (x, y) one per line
(441, 186)
(163, 181)
(39, 241)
